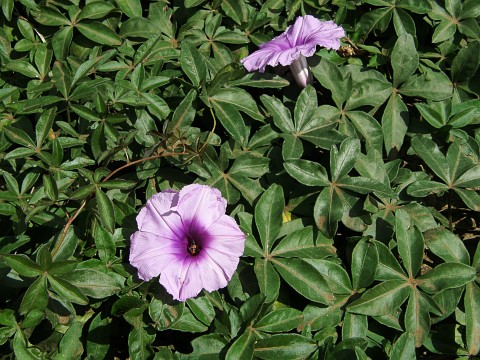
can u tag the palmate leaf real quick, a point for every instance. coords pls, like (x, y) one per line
(410, 243)
(284, 346)
(305, 279)
(280, 320)
(268, 216)
(417, 318)
(446, 276)
(472, 317)
(382, 299)
(268, 279)
(364, 264)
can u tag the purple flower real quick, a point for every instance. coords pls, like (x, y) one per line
(186, 238)
(294, 45)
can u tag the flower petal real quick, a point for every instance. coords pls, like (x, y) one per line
(225, 236)
(151, 253)
(200, 206)
(311, 32)
(183, 281)
(157, 216)
(301, 38)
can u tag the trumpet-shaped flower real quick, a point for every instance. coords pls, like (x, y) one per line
(298, 42)
(186, 238)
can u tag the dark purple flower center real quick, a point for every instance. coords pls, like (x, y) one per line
(193, 246)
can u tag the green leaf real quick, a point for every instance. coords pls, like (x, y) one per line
(446, 276)
(184, 113)
(93, 283)
(23, 265)
(66, 290)
(431, 114)
(99, 33)
(238, 98)
(444, 31)
(156, 105)
(332, 79)
(43, 58)
(470, 198)
(466, 62)
(259, 80)
(36, 297)
(165, 314)
(120, 184)
(202, 308)
(447, 246)
(280, 320)
(95, 10)
(232, 121)
(99, 336)
(302, 244)
(139, 28)
(50, 187)
(44, 125)
(395, 120)
(410, 243)
(354, 326)
(19, 136)
(70, 346)
(364, 264)
(305, 279)
(470, 178)
(131, 8)
(304, 108)
(404, 59)
(139, 343)
(192, 64)
(336, 276)
(50, 17)
(61, 42)
(404, 347)
(368, 127)
(268, 279)
(472, 317)
(235, 10)
(285, 347)
(307, 172)
(268, 215)
(431, 85)
(422, 188)
(242, 347)
(433, 157)
(87, 66)
(382, 299)
(417, 318)
(343, 159)
(281, 115)
(105, 210)
(388, 267)
(363, 185)
(403, 22)
(328, 210)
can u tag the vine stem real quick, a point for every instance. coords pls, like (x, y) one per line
(84, 202)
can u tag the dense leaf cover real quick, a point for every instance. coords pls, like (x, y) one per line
(358, 194)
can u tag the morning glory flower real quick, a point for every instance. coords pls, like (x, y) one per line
(292, 47)
(186, 238)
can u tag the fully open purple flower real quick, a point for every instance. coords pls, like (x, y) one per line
(186, 238)
(294, 45)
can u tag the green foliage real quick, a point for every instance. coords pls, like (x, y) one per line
(358, 195)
